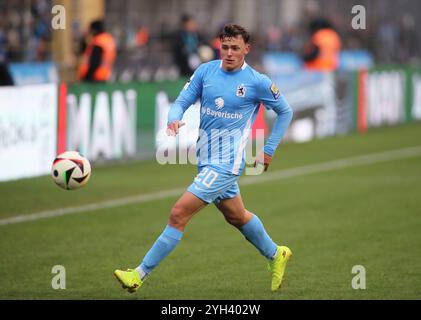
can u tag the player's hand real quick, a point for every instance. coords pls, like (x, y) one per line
(264, 159)
(174, 127)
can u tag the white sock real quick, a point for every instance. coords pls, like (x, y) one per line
(275, 255)
(142, 273)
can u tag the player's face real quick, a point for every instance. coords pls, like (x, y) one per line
(233, 52)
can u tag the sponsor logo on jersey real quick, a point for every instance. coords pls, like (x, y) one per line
(222, 114)
(219, 102)
(275, 91)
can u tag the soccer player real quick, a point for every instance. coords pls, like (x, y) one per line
(230, 92)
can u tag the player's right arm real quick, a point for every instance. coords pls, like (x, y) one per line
(188, 96)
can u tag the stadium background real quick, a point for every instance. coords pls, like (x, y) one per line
(343, 189)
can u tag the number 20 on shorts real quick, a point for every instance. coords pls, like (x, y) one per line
(207, 177)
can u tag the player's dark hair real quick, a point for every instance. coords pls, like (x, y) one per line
(234, 30)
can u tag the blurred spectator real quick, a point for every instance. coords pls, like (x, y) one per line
(388, 37)
(142, 36)
(216, 47)
(292, 39)
(3, 44)
(40, 32)
(311, 10)
(409, 44)
(5, 77)
(274, 38)
(186, 46)
(99, 54)
(321, 53)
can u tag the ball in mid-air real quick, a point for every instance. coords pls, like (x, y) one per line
(71, 170)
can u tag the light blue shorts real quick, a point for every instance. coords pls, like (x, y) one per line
(211, 185)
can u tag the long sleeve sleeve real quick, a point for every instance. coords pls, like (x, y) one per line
(280, 126)
(273, 99)
(188, 96)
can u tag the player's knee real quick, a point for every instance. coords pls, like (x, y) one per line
(238, 220)
(234, 221)
(177, 216)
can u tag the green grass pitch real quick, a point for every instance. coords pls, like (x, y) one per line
(367, 215)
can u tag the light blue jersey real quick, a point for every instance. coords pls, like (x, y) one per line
(229, 105)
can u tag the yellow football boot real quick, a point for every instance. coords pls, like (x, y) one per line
(129, 279)
(277, 266)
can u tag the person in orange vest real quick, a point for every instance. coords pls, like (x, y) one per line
(99, 55)
(322, 52)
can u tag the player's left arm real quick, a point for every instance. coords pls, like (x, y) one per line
(273, 99)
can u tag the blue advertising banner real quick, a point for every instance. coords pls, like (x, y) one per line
(34, 73)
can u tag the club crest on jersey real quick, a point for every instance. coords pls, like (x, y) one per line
(275, 91)
(241, 91)
(219, 102)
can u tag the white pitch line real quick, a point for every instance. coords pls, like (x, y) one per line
(336, 164)
(93, 206)
(249, 180)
